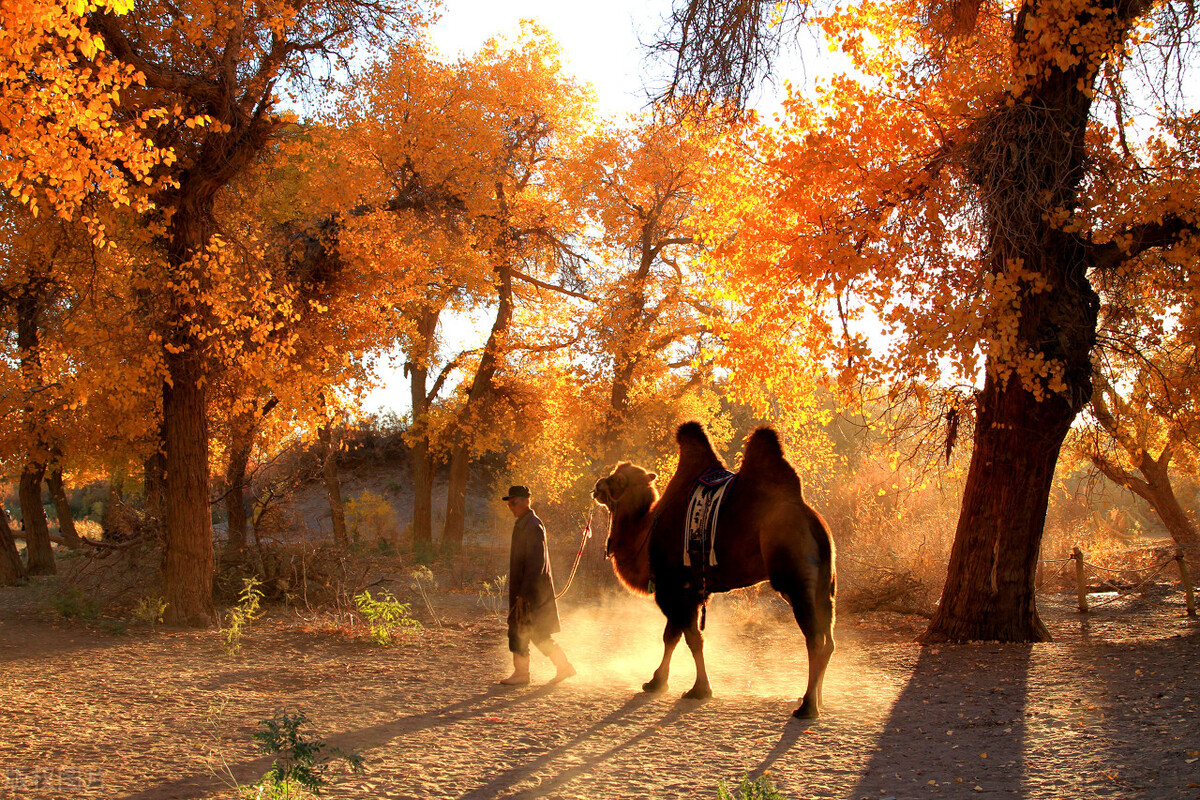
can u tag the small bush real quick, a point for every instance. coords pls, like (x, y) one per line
(385, 614)
(240, 616)
(299, 767)
(493, 595)
(71, 603)
(372, 517)
(149, 610)
(760, 788)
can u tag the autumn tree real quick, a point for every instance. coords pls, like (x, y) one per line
(218, 69)
(649, 320)
(469, 155)
(950, 189)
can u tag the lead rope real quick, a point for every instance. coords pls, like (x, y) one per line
(587, 534)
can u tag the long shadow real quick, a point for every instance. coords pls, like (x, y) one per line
(793, 729)
(511, 777)
(250, 770)
(958, 726)
(1133, 711)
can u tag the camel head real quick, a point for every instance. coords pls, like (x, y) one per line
(629, 490)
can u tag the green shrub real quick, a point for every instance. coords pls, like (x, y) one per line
(149, 610)
(299, 768)
(385, 614)
(71, 603)
(760, 788)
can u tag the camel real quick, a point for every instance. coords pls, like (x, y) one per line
(765, 532)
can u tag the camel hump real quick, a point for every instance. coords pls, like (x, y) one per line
(694, 444)
(763, 458)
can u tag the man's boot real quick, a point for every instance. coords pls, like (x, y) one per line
(520, 675)
(565, 670)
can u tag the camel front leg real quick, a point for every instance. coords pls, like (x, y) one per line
(695, 642)
(670, 639)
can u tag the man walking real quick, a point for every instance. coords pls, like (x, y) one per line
(532, 611)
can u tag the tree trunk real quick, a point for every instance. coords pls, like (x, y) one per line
(12, 571)
(422, 397)
(989, 591)
(1161, 497)
(1028, 160)
(473, 413)
(422, 476)
(154, 476)
(240, 445)
(66, 522)
(333, 483)
(187, 518)
(37, 530)
(456, 498)
(28, 306)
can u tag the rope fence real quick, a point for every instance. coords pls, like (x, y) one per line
(1081, 581)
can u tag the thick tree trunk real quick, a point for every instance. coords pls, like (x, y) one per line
(989, 591)
(1028, 159)
(187, 518)
(37, 529)
(66, 522)
(333, 483)
(456, 498)
(12, 571)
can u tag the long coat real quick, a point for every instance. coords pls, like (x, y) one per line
(529, 576)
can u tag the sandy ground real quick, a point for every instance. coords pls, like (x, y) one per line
(1109, 709)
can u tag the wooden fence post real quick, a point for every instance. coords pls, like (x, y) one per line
(1187, 584)
(1080, 580)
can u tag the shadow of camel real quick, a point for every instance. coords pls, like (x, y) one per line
(249, 771)
(511, 777)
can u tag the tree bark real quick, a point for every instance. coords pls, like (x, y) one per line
(28, 306)
(12, 571)
(456, 498)
(989, 591)
(66, 522)
(422, 398)
(187, 518)
(333, 483)
(37, 530)
(240, 445)
(154, 476)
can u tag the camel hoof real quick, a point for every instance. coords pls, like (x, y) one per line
(697, 693)
(806, 710)
(654, 686)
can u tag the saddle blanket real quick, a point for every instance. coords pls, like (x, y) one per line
(700, 531)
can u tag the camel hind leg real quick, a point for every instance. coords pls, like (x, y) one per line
(671, 637)
(814, 614)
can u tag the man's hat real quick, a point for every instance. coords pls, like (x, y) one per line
(516, 491)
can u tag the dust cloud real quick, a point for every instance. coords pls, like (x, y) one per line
(752, 646)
